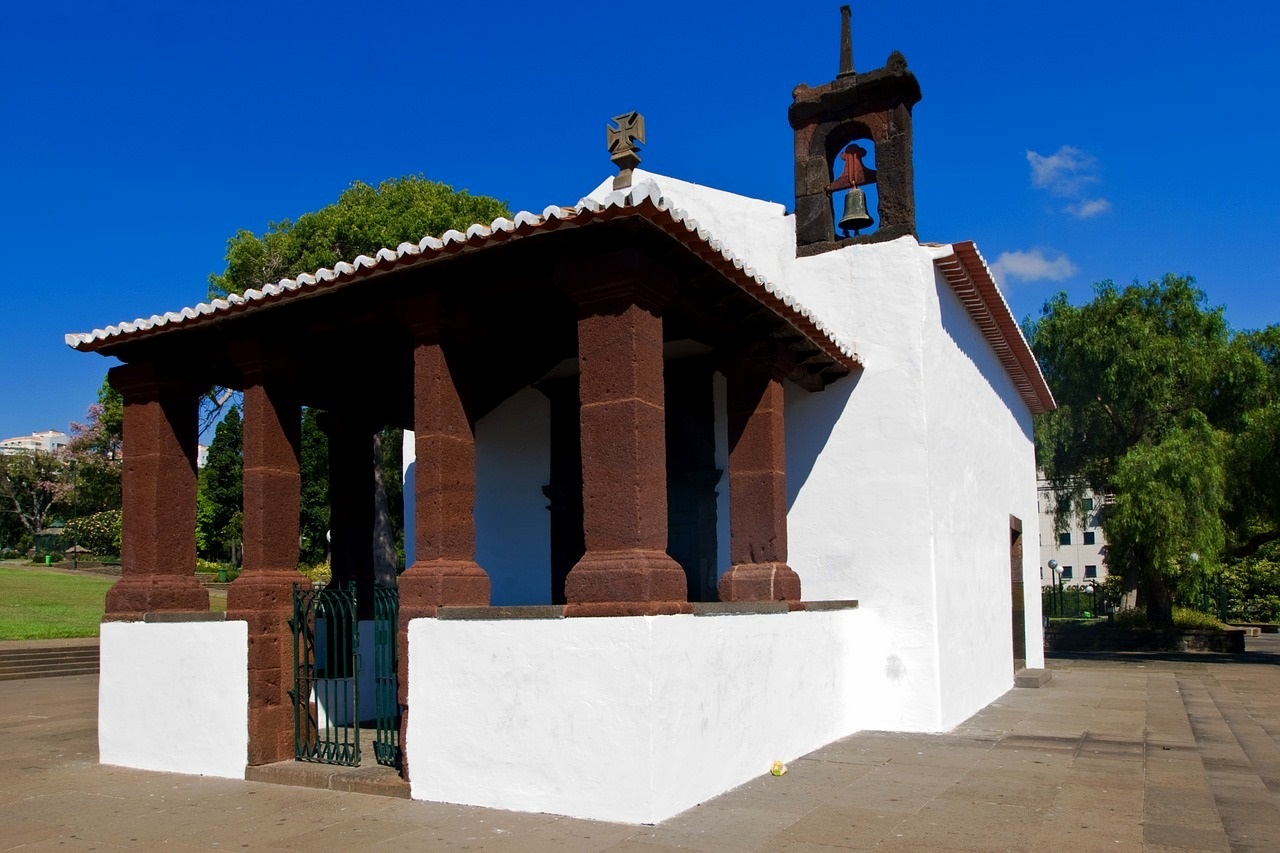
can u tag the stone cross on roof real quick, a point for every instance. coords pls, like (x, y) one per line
(625, 135)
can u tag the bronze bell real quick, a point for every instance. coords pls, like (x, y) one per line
(855, 212)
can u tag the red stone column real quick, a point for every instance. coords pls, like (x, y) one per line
(444, 572)
(625, 570)
(158, 539)
(263, 594)
(757, 486)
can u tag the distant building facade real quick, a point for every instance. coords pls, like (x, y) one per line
(1078, 549)
(50, 441)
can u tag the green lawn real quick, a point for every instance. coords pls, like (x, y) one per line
(40, 605)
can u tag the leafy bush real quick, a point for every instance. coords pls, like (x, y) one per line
(318, 573)
(100, 532)
(1253, 586)
(1186, 619)
(1131, 618)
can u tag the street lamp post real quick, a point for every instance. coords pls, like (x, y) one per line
(1057, 584)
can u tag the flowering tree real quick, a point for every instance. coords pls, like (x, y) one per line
(31, 482)
(94, 454)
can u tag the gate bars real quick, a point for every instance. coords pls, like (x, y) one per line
(326, 675)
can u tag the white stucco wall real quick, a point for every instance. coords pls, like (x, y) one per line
(175, 697)
(980, 452)
(627, 719)
(513, 525)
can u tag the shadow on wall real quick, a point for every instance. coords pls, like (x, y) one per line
(960, 327)
(811, 418)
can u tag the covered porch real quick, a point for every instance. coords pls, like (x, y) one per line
(629, 324)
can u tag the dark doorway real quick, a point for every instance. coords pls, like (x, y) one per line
(564, 492)
(692, 475)
(1016, 591)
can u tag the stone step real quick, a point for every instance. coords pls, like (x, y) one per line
(365, 779)
(1032, 677)
(49, 673)
(7, 655)
(48, 658)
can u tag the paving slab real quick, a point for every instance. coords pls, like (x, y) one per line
(1144, 753)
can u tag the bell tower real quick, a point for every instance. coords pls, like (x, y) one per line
(828, 121)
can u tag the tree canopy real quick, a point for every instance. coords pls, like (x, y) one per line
(220, 498)
(1167, 413)
(363, 220)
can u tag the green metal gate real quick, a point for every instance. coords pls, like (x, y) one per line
(386, 623)
(327, 674)
(326, 663)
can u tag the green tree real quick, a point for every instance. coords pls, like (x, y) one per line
(220, 499)
(1254, 463)
(1151, 388)
(363, 220)
(314, 504)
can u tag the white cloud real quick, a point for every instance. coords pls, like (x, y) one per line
(1088, 208)
(1032, 266)
(1067, 173)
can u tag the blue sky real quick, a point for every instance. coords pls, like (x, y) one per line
(1073, 143)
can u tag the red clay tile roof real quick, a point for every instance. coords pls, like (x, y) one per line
(967, 273)
(642, 201)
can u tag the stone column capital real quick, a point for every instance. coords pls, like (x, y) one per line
(262, 362)
(765, 359)
(423, 315)
(151, 380)
(626, 276)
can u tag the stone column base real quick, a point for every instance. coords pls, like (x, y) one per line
(760, 582)
(133, 597)
(430, 584)
(626, 583)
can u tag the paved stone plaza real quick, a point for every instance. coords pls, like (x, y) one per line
(1130, 753)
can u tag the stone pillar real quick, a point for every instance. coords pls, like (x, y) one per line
(351, 504)
(757, 485)
(158, 480)
(625, 570)
(444, 572)
(263, 594)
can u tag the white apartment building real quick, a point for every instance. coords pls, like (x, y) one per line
(1078, 549)
(49, 441)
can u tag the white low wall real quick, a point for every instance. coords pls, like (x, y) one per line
(626, 719)
(175, 697)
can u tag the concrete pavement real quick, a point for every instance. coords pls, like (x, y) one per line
(1124, 753)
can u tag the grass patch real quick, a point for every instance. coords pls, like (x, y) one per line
(39, 605)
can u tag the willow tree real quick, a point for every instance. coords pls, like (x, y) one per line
(1152, 390)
